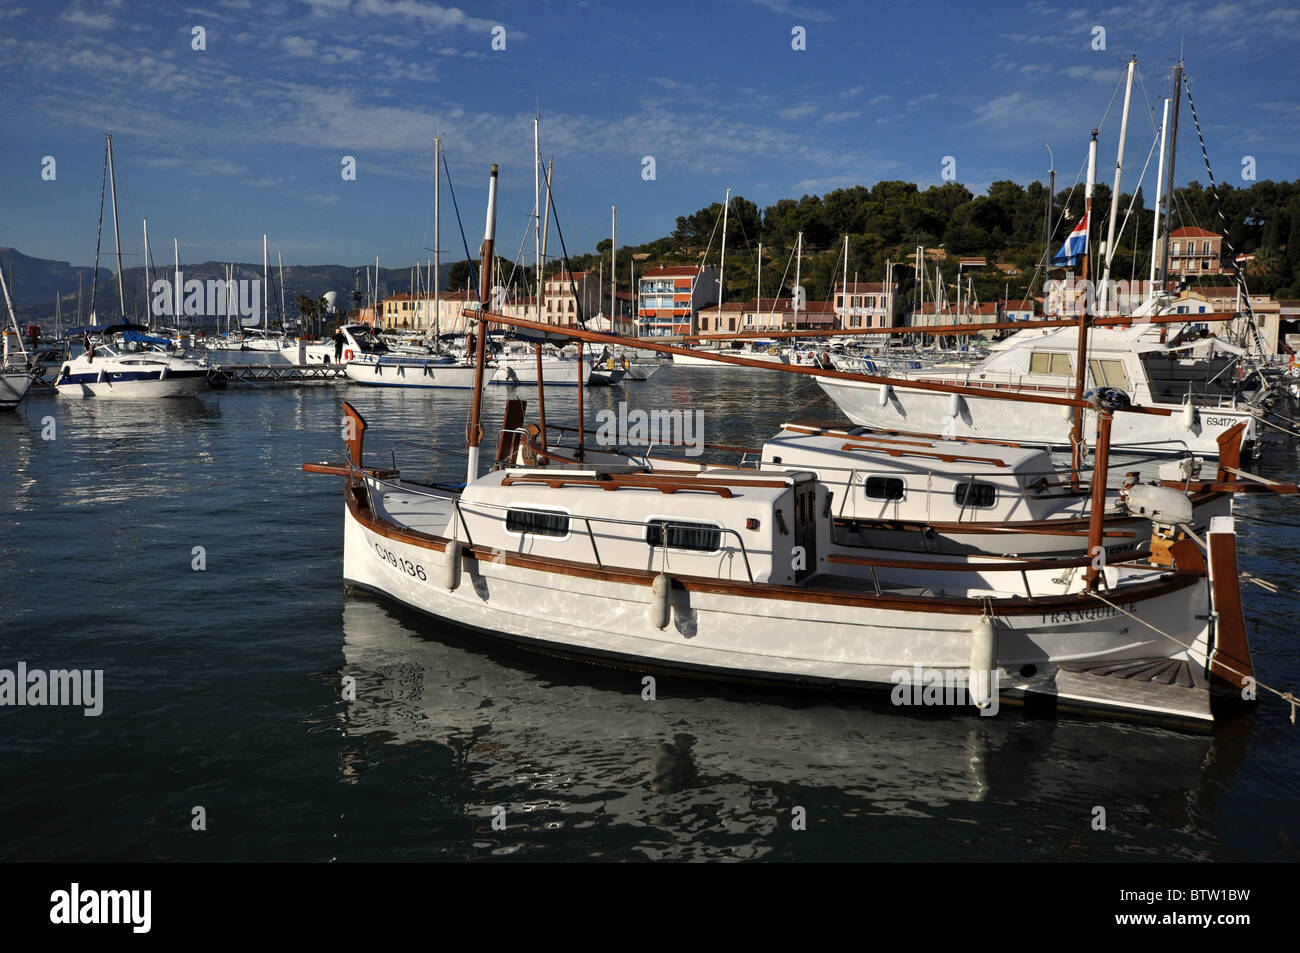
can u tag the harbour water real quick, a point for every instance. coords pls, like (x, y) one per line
(223, 685)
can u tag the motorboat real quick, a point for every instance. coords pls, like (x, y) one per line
(126, 362)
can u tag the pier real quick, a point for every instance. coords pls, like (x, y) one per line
(270, 375)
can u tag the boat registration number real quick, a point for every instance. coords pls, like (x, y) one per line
(1219, 421)
(405, 565)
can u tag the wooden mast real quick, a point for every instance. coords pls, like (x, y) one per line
(474, 437)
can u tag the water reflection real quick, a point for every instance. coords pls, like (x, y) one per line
(716, 770)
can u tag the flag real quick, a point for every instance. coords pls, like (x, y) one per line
(1075, 245)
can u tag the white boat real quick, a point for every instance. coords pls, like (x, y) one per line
(730, 574)
(418, 372)
(1042, 362)
(360, 344)
(518, 366)
(739, 575)
(129, 364)
(260, 339)
(16, 364)
(15, 379)
(918, 493)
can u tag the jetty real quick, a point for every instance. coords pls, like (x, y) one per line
(272, 375)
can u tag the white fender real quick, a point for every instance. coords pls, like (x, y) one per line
(451, 565)
(983, 657)
(1067, 412)
(660, 609)
(1188, 416)
(883, 395)
(954, 405)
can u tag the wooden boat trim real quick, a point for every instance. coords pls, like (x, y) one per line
(556, 483)
(945, 457)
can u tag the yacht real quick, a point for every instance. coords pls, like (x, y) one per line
(1196, 393)
(126, 362)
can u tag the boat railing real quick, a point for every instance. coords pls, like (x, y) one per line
(498, 510)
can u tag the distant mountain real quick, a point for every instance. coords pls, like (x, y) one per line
(36, 282)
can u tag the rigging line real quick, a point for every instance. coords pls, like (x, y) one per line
(1110, 252)
(469, 260)
(99, 231)
(1218, 207)
(573, 288)
(703, 258)
(777, 296)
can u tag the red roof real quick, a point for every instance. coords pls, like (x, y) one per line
(671, 271)
(1191, 231)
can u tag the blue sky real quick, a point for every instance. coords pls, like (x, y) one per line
(217, 146)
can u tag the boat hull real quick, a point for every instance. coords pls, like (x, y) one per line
(175, 384)
(423, 375)
(13, 388)
(1043, 424)
(768, 633)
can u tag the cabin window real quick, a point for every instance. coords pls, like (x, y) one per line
(697, 537)
(537, 522)
(1052, 363)
(1109, 374)
(884, 488)
(975, 495)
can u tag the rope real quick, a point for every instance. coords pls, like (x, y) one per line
(1287, 697)
(99, 230)
(1223, 220)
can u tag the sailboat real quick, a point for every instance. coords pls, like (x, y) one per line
(16, 368)
(736, 574)
(126, 360)
(1144, 356)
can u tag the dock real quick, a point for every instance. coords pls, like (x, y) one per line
(272, 375)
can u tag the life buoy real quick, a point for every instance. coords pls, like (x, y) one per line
(348, 355)
(626, 365)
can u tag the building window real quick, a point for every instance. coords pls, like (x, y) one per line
(537, 522)
(1205, 264)
(975, 495)
(884, 488)
(1205, 248)
(1176, 249)
(696, 537)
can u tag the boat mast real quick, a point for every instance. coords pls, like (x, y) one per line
(722, 263)
(1103, 304)
(265, 300)
(798, 264)
(283, 313)
(1169, 182)
(845, 283)
(177, 292)
(147, 282)
(1080, 369)
(1160, 187)
(117, 239)
(436, 277)
(613, 272)
(475, 435)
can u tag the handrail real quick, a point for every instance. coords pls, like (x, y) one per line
(945, 457)
(455, 501)
(556, 483)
